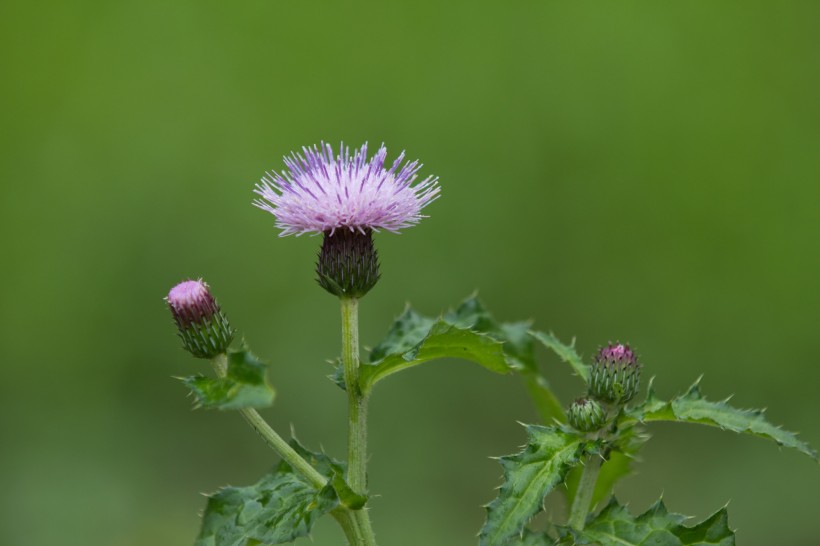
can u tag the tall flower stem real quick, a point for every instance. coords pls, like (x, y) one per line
(583, 496)
(357, 413)
(276, 442)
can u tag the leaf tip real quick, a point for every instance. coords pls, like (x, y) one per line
(694, 389)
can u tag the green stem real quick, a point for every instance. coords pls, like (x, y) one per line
(583, 496)
(367, 537)
(356, 400)
(357, 416)
(276, 442)
(347, 520)
(356, 526)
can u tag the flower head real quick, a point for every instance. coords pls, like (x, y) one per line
(203, 327)
(615, 374)
(321, 193)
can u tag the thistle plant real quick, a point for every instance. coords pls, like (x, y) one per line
(580, 452)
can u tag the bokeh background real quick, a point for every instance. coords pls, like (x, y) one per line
(640, 171)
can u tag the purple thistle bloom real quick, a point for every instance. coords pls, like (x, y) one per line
(321, 193)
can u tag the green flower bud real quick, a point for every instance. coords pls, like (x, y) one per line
(586, 415)
(204, 329)
(615, 374)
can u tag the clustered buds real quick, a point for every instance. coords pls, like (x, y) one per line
(348, 264)
(204, 329)
(615, 374)
(586, 414)
(613, 380)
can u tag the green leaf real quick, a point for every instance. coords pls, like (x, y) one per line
(517, 344)
(244, 386)
(333, 470)
(615, 526)
(565, 352)
(519, 351)
(279, 508)
(528, 477)
(414, 339)
(469, 332)
(692, 407)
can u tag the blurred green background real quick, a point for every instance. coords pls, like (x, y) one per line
(620, 170)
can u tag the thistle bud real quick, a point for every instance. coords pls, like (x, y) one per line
(615, 374)
(204, 329)
(586, 415)
(348, 264)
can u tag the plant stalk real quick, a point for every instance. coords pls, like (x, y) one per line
(583, 496)
(357, 401)
(276, 442)
(357, 415)
(347, 520)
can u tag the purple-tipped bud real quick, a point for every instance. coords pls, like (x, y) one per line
(348, 264)
(586, 415)
(615, 374)
(204, 329)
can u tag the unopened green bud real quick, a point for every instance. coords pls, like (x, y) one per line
(615, 374)
(204, 329)
(586, 415)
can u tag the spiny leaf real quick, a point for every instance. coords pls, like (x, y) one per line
(244, 386)
(469, 332)
(519, 351)
(692, 407)
(414, 339)
(333, 470)
(615, 526)
(567, 353)
(518, 346)
(279, 508)
(528, 477)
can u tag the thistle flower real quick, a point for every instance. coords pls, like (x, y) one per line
(615, 374)
(346, 198)
(321, 193)
(586, 415)
(204, 329)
